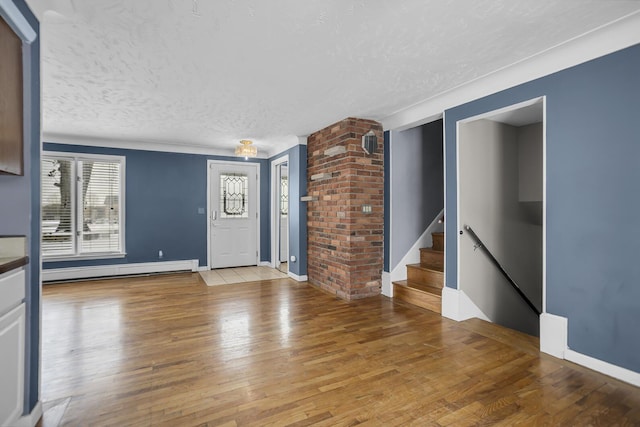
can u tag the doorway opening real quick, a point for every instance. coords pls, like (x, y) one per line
(280, 214)
(501, 190)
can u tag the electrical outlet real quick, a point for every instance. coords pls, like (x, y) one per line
(160, 254)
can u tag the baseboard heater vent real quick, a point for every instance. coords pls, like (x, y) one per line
(117, 270)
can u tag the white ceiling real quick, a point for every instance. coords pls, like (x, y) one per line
(206, 74)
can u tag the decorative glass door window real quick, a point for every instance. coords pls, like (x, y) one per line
(284, 196)
(234, 189)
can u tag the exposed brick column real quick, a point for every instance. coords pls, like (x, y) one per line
(344, 243)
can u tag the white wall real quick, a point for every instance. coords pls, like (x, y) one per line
(489, 203)
(530, 163)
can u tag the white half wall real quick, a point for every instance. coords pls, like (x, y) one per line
(387, 286)
(553, 335)
(456, 305)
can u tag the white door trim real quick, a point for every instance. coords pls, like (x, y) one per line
(275, 249)
(227, 162)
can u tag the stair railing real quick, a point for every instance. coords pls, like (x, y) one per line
(477, 244)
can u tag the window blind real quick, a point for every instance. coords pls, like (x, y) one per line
(81, 206)
(100, 207)
(57, 206)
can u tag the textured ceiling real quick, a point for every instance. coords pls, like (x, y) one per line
(209, 73)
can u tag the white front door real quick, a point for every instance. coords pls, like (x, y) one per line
(233, 214)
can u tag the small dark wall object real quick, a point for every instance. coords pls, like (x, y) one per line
(369, 142)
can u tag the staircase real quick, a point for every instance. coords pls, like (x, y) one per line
(425, 281)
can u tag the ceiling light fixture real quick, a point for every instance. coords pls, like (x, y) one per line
(246, 150)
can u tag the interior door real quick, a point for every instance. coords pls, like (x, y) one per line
(233, 214)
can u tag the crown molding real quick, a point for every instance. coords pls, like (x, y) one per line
(143, 145)
(146, 145)
(601, 41)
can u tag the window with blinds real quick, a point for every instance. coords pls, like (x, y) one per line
(82, 205)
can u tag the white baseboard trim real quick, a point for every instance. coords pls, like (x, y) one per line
(265, 264)
(456, 305)
(399, 272)
(387, 287)
(32, 418)
(553, 341)
(603, 367)
(553, 335)
(204, 268)
(55, 274)
(297, 278)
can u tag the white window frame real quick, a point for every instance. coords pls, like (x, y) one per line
(77, 211)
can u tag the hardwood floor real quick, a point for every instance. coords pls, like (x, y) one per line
(168, 350)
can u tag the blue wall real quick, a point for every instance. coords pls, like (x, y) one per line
(593, 200)
(297, 209)
(417, 185)
(163, 193)
(20, 207)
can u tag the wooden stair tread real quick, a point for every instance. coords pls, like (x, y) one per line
(431, 250)
(425, 280)
(437, 240)
(432, 267)
(420, 286)
(425, 274)
(432, 258)
(417, 297)
(425, 267)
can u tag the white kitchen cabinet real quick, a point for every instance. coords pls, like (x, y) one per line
(12, 346)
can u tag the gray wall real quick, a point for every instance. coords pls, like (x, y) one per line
(489, 203)
(593, 200)
(417, 185)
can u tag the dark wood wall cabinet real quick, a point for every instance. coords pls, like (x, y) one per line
(11, 124)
